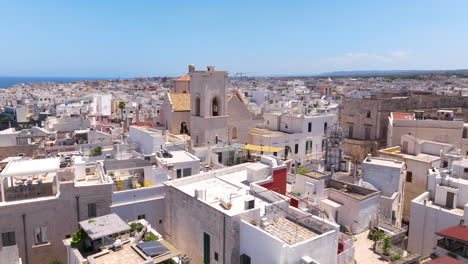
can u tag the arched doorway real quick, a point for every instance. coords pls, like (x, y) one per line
(183, 128)
(215, 107)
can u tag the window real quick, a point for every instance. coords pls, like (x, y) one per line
(197, 106)
(92, 210)
(310, 127)
(216, 256)
(143, 216)
(308, 147)
(324, 144)
(187, 172)
(296, 148)
(234, 133)
(40, 235)
(8, 239)
(465, 169)
(409, 176)
(215, 107)
(286, 126)
(367, 133)
(445, 164)
(275, 154)
(179, 173)
(350, 131)
(325, 126)
(368, 114)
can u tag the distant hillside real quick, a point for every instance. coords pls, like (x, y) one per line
(392, 73)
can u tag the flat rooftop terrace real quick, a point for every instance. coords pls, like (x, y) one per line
(289, 231)
(232, 186)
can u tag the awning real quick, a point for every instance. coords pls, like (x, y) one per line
(261, 148)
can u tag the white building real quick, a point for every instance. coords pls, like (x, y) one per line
(444, 129)
(444, 205)
(302, 138)
(179, 163)
(232, 219)
(388, 176)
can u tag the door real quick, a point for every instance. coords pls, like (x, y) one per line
(450, 197)
(206, 248)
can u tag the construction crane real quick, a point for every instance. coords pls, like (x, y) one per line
(242, 74)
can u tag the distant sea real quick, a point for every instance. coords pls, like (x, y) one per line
(6, 82)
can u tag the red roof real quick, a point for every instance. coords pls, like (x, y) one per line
(402, 116)
(444, 260)
(186, 77)
(456, 232)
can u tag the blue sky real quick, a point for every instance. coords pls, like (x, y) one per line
(158, 38)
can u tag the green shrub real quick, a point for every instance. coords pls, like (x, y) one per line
(396, 257)
(78, 236)
(96, 151)
(302, 171)
(150, 237)
(387, 245)
(136, 227)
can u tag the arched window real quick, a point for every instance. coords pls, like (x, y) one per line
(234, 133)
(197, 106)
(215, 107)
(183, 128)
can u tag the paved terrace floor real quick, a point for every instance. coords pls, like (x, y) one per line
(364, 250)
(126, 255)
(289, 232)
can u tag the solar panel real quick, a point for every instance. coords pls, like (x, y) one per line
(153, 248)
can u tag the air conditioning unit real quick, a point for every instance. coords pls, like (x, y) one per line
(249, 202)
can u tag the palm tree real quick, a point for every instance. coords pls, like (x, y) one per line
(121, 107)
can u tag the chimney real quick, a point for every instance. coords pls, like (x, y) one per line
(210, 68)
(191, 68)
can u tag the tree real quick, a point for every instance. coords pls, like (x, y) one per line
(121, 107)
(96, 151)
(387, 245)
(302, 171)
(377, 236)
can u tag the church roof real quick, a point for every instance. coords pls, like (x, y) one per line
(186, 77)
(239, 95)
(180, 101)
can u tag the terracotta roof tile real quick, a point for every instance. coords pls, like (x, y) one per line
(186, 77)
(403, 116)
(444, 260)
(457, 232)
(180, 101)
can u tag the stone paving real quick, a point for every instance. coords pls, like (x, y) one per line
(127, 255)
(289, 231)
(363, 250)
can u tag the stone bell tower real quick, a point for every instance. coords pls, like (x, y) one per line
(208, 106)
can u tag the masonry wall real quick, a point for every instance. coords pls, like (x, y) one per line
(187, 218)
(239, 118)
(58, 214)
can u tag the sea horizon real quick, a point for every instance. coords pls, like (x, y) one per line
(8, 81)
